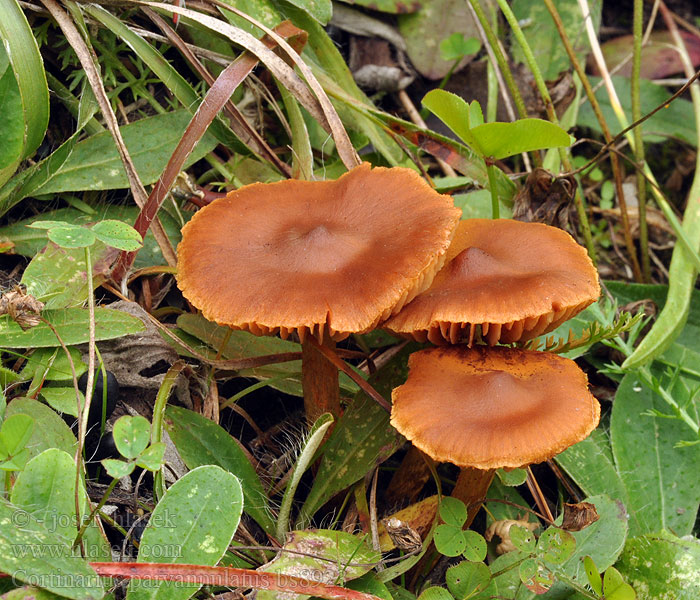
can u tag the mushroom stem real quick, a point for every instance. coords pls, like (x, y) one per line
(471, 487)
(319, 380)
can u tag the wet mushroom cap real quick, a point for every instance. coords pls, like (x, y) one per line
(513, 280)
(319, 257)
(489, 408)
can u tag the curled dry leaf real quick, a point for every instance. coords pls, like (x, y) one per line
(23, 308)
(579, 516)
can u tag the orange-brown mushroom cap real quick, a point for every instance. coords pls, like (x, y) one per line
(493, 407)
(515, 280)
(332, 257)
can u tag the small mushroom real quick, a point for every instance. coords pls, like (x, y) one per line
(486, 408)
(316, 258)
(511, 281)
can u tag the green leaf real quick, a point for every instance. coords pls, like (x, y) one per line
(449, 540)
(655, 498)
(543, 38)
(457, 46)
(321, 10)
(29, 242)
(467, 578)
(46, 489)
(340, 549)
(72, 237)
(535, 576)
(29, 551)
(94, 163)
(456, 113)
(512, 477)
(192, 524)
(117, 468)
(50, 431)
(476, 546)
(59, 369)
(556, 545)
(615, 588)
(15, 432)
(131, 435)
(425, 30)
(435, 593)
(453, 511)
(118, 235)
(593, 575)
(522, 538)
(71, 324)
(62, 399)
(152, 457)
(200, 441)
(48, 224)
(662, 565)
(501, 140)
(58, 277)
(11, 126)
(387, 6)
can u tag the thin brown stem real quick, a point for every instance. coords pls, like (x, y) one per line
(537, 494)
(319, 379)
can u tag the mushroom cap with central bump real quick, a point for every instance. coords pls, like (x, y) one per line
(316, 257)
(514, 280)
(490, 408)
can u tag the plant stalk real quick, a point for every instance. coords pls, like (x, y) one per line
(319, 380)
(471, 487)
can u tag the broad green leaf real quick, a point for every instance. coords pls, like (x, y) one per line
(425, 29)
(477, 205)
(449, 540)
(513, 477)
(11, 125)
(131, 435)
(50, 431)
(543, 37)
(594, 578)
(555, 545)
(649, 464)
(118, 468)
(29, 242)
(347, 557)
(193, 523)
(522, 538)
(467, 578)
(501, 140)
(94, 163)
(15, 432)
(59, 369)
(615, 588)
(118, 235)
(660, 566)
(62, 399)
(48, 224)
(29, 551)
(535, 576)
(46, 489)
(20, 48)
(321, 10)
(57, 276)
(152, 457)
(361, 439)
(476, 546)
(594, 450)
(29, 592)
(200, 441)
(455, 112)
(505, 580)
(72, 237)
(457, 46)
(71, 324)
(453, 511)
(369, 583)
(435, 593)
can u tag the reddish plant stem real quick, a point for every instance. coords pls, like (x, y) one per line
(319, 379)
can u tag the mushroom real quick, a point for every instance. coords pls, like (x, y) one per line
(487, 408)
(321, 259)
(513, 281)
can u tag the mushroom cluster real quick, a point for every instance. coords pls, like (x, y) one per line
(483, 408)
(379, 247)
